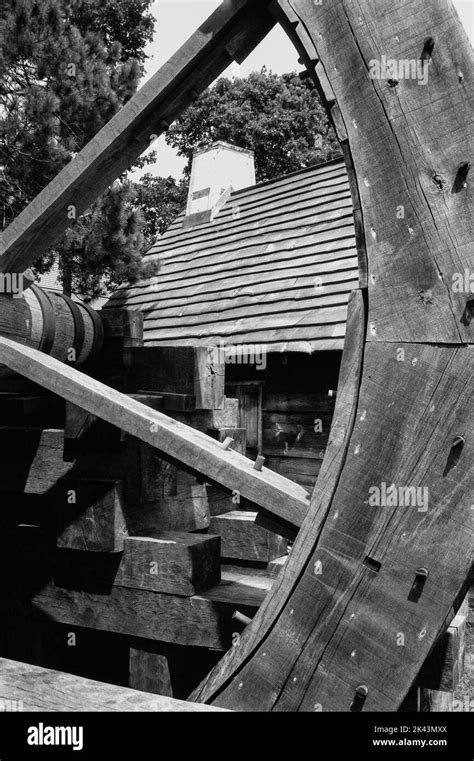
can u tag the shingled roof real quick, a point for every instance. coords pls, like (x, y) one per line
(274, 267)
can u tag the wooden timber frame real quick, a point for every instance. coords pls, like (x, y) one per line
(369, 586)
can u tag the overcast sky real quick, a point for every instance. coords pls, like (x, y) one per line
(176, 20)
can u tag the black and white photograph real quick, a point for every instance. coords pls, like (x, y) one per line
(236, 377)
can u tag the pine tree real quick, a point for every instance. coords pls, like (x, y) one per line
(161, 199)
(66, 68)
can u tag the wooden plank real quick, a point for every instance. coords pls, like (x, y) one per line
(123, 323)
(282, 332)
(77, 422)
(193, 448)
(303, 435)
(203, 620)
(126, 136)
(209, 380)
(294, 402)
(227, 417)
(149, 669)
(436, 701)
(32, 460)
(322, 260)
(170, 499)
(90, 515)
(332, 257)
(39, 689)
(333, 200)
(443, 668)
(301, 244)
(275, 566)
(187, 511)
(220, 501)
(324, 318)
(173, 562)
(167, 401)
(291, 279)
(302, 470)
(198, 299)
(177, 372)
(326, 295)
(279, 342)
(242, 539)
(248, 310)
(274, 526)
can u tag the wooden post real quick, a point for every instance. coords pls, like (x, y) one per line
(149, 668)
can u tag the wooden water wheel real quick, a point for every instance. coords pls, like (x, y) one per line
(369, 587)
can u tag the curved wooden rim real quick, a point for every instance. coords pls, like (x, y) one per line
(98, 332)
(79, 330)
(49, 328)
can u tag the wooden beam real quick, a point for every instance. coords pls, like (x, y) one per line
(131, 131)
(184, 370)
(39, 689)
(242, 539)
(149, 669)
(90, 515)
(443, 669)
(203, 620)
(265, 488)
(174, 562)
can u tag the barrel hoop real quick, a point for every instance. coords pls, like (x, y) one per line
(98, 332)
(49, 329)
(79, 330)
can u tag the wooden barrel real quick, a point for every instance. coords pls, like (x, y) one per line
(70, 331)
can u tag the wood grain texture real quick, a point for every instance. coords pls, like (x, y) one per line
(443, 669)
(182, 370)
(149, 668)
(406, 150)
(44, 690)
(343, 420)
(243, 539)
(349, 633)
(173, 562)
(90, 515)
(193, 448)
(350, 608)
(203, 620)
(128, 134)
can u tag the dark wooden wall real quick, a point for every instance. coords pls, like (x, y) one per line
(290, 403)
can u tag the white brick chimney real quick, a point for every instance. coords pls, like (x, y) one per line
(216, 171)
